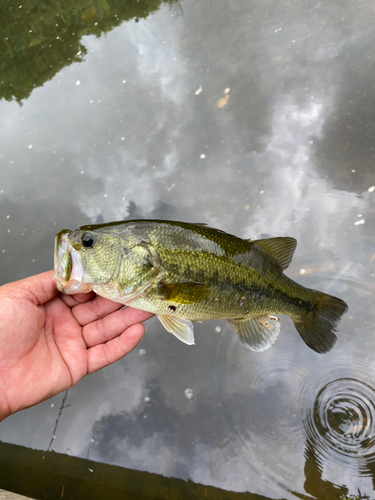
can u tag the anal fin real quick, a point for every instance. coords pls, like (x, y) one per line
(258, 334)
(181, 328)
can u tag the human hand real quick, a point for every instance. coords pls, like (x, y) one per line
(49, 341)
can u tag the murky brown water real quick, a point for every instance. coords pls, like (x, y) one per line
(255, 117)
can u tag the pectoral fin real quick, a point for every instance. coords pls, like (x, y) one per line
(133, 290)
(258, 334)
(184, 293)
(181, 328)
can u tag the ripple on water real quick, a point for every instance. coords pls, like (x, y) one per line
(282, 403)
(339, 422)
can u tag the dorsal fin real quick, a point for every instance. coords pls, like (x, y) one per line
(280, 248)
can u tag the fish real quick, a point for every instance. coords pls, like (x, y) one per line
(190, 272)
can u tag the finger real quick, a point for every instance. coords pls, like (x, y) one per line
(104, 329)
(39, 289)
(78, 298)
(103, 355)
(94, 310)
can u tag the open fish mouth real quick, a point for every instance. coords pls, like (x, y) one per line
(69, 269)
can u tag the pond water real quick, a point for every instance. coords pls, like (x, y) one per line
(255, 117)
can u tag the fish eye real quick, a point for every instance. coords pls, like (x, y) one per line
(87, 240)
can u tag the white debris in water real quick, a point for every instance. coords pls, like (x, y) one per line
(371, 189)
(142, 352)
(217, 329)
(302, 271)
(198, 91)
(123, 138)
(227, 90)
(147, 399)
(8, 216)
(78, 82)
(202, 156)
(30, 146)
(189, 393)
(123, 81)
(359, 222)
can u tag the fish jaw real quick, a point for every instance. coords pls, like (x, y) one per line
(69, 268)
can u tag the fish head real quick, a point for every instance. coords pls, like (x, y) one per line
(84, 259)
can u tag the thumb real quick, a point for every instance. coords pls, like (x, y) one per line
(38, 289)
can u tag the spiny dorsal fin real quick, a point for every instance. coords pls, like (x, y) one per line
(280, 248)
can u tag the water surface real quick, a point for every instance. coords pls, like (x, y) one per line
(254, 117)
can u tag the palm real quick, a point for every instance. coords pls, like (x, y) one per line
(49, 341)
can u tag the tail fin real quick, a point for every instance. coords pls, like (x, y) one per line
(318, 327)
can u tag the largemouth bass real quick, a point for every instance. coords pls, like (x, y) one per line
(191, 272)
